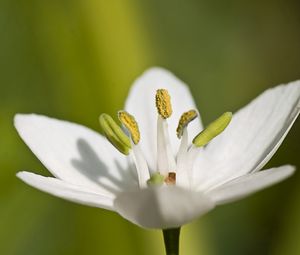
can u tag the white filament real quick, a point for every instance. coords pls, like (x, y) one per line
(182, 176)
(141, 165)
(165, 158)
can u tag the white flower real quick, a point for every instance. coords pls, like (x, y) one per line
(88, 170)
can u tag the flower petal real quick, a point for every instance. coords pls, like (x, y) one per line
(141, 104)
(58, 188)
(248, 184)
(252, 137)
(162, 207)
(75, 154)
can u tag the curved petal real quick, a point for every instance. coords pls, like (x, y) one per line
(75, 154)
(253, 136)
(141, 104)
(58, 188)
(162, 207)
(248, 184)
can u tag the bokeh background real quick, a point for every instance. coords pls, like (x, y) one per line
(74, 59)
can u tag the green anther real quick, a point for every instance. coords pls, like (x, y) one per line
(156, 179)
(115, 134)
(185, 119)
(213, 129)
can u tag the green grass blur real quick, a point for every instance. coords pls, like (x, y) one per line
(76, 59)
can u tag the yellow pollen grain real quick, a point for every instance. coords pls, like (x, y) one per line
(131, 125)
(163, 103)
(184, 120)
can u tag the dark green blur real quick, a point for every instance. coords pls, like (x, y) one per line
(76, 59)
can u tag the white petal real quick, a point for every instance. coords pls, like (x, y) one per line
(162, 207)
(74, 153)
(58, 188)
(253, 136)
(248, 184)
(141, 104)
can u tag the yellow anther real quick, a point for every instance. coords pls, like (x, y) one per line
(185, 119)
(131, 125)
(115, 134)
(163, 103)
(213, 129)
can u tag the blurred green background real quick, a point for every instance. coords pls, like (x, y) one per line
(76, 59)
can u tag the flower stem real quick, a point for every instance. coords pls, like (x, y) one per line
(171, 239)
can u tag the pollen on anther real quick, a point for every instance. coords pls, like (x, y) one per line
(163, 103)
(130, 124)
(184, 120)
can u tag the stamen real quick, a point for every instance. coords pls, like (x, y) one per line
(115, 134)
(213, 129)
(185, 119)
(183, 172)
(141, 165)
(165, 157)
(163, 103)
(130, 123)
(121, 141)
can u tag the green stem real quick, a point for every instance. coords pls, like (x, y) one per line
(171, 239)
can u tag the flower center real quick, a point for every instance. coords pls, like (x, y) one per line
(170, 170)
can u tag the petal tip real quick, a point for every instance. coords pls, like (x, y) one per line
(17, 118)
(160, 73)
(23, 174)
(156, 70)
(20, 118)
(290, 169)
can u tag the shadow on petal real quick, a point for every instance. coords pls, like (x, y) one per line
(114, 178)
